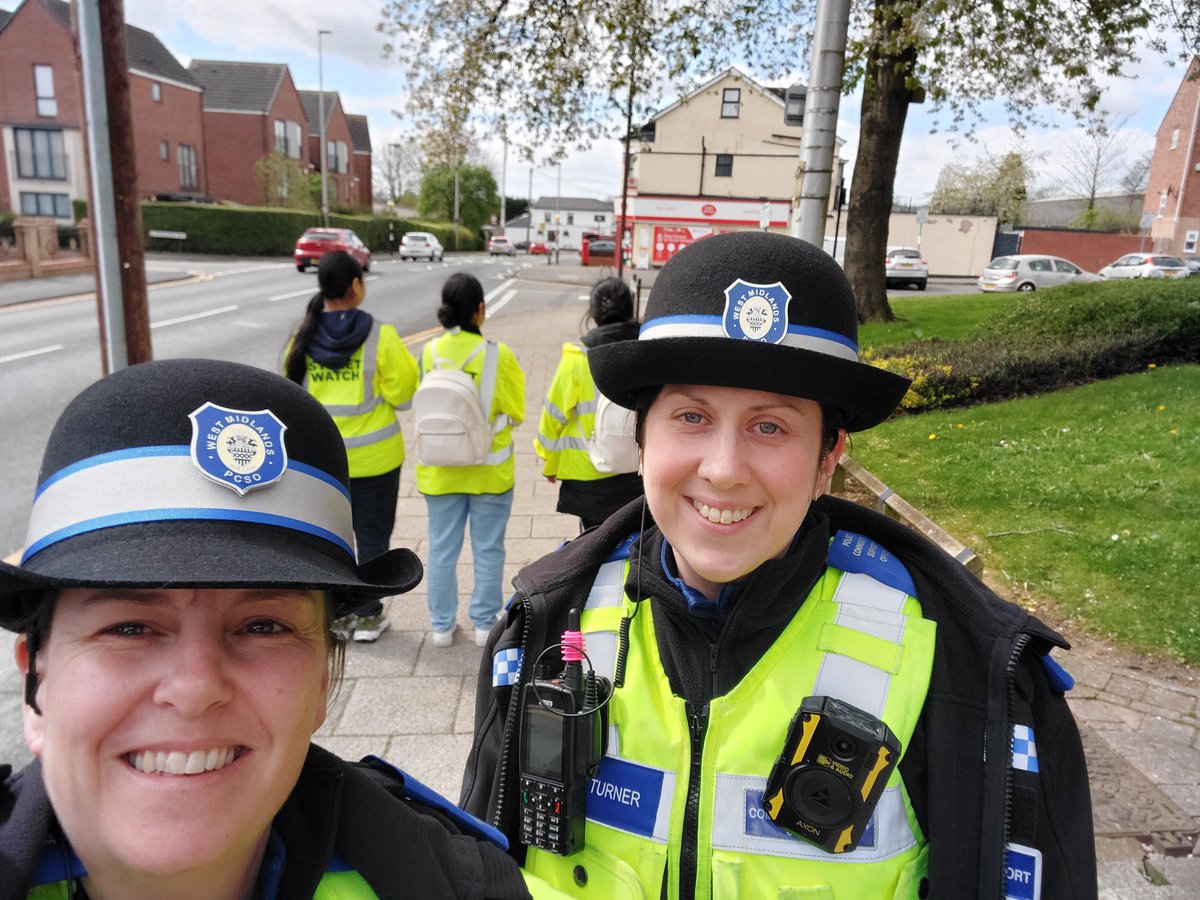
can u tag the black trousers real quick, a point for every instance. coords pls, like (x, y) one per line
(373, 506)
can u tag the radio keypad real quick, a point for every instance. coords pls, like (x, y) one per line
(542, 806)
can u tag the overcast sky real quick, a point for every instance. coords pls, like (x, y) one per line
(286, 32)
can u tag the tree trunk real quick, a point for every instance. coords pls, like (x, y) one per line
(886, 95)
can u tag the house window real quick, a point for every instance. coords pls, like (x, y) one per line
(724, 165)
(1175, 139)
(1162, 205)
(570, 218)
(187, 166)
(293, 129)
(281, 136)
(39, 204)
(156, 92)
(1189, 241)
(40, 153)
(164, 151)
(731, 101)
(43, 82)
(343, 156)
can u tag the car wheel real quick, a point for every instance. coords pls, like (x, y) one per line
(1027, 287)
(921, 285)
(300, 268)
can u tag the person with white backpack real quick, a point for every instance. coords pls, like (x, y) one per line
(585, 440)
(472, 394)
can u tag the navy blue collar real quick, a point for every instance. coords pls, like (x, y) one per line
(699, 605)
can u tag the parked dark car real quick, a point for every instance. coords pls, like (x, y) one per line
(1193, 264)
(316, 242)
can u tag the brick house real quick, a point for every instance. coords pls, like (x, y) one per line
(42, 160)
(1173, 185)
(360, 161)
(342, 183)
(250, 110)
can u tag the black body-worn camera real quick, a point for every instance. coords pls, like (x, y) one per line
(834, 766)
(561, 745)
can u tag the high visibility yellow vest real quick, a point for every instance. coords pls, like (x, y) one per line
(333, 886)
(568, 416)
(509, 402)
(855, 637)
(362, 397)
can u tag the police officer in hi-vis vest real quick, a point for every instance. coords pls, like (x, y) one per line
(190, 546)
(746, 688)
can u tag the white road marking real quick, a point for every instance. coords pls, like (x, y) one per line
(28, 353)
(193, 317)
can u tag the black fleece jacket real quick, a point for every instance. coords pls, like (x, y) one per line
(987, 676)
(401, 846)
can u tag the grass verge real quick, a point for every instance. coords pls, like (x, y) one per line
(1086, 499)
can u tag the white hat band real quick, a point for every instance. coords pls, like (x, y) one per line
(816, 339)
(155, 484)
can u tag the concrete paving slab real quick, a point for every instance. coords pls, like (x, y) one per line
(437, 760)
(1161, 763)
(1124, 800)
(1181, 875)
(387, 706)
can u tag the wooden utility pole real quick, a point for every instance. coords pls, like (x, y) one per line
(114, 207)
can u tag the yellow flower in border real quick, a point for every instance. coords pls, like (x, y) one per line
(1161, 408)
(933, 437)
(1151, 366)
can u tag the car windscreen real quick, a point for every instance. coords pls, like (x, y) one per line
(1004, 262)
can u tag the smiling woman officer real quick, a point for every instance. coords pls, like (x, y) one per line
(189, 549)
(774, 650)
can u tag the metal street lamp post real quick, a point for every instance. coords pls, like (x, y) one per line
(321, 116)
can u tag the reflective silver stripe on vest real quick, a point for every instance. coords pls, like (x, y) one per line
(372, 437)
(584, 407)
(566, 442)
(555, 413)
(370, 351)
(741, 825)
(873, 608)
(608, 590)
(162, 483)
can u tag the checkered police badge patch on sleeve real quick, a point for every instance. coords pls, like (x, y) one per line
(506, 666)
(239, 449)
(1024, 750)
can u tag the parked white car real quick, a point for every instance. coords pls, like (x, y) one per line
(904, 265)
(421, 245)
(1030, 272)
(1145, 265)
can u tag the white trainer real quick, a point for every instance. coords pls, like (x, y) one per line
(442, 638)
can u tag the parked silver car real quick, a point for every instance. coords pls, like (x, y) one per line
(1030, 272)
(1145, 265)
(421, 245)
(904, 265)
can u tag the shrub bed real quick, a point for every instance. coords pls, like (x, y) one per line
(264, 231)
(1050, 340)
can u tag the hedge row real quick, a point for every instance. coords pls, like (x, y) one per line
(261, 231)
(1050, 340)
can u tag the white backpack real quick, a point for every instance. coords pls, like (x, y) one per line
(612, 446)
(450, 411)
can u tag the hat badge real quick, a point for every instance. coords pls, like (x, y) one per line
(756, 312)
(238, 449)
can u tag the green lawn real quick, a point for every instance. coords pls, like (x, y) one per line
(1086, 500)
(949, 316)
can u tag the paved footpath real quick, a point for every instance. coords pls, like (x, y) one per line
(413, 704)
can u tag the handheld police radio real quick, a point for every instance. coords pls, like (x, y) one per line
(835, 763)
(561, 746)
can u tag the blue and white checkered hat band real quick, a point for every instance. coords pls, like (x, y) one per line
(506, 666)
(1024, 750)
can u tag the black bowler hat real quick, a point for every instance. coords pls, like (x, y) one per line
(752, 310)
(196, 473)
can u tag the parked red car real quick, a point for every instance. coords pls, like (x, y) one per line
(316, 242)
(537, 248)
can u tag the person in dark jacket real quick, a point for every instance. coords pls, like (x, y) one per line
(189, 548)
(362, 372)
(772, 650)
(568, 419)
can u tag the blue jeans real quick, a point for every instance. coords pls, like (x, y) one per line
(448, 514)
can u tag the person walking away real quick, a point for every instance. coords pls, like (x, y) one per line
(811, 700)
(567, 439)
(362, 373)
(479, 493)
